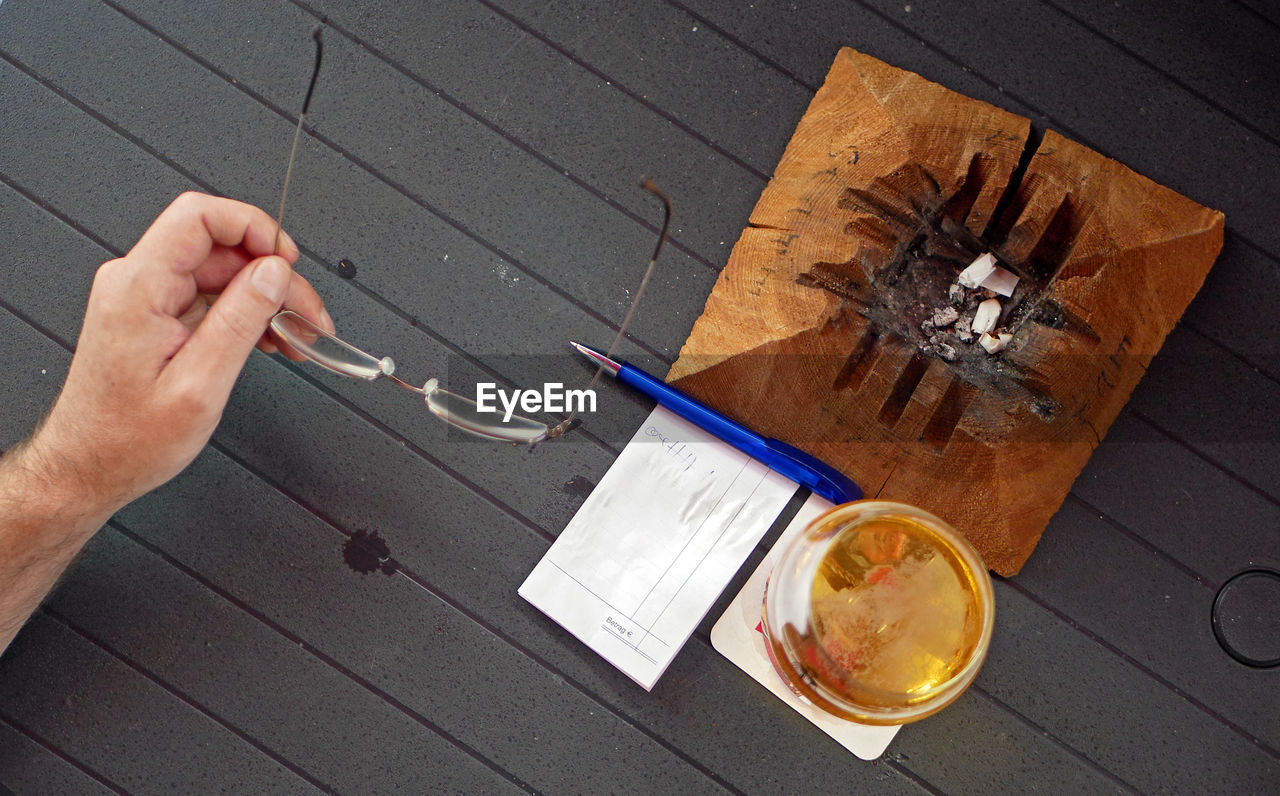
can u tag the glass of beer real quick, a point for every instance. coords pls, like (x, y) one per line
(878, 612)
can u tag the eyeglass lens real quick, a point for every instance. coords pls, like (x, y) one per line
(326, 350)
(464, 414)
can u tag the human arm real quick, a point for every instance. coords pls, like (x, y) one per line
(153, 368)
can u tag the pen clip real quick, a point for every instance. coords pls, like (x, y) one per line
(821, 478)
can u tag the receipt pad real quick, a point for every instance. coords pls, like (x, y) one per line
(655, 543)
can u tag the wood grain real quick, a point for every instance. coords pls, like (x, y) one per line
(888, 186)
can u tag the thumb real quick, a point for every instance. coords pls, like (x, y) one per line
(217, 349)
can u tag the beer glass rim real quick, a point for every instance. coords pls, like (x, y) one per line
(813, 550)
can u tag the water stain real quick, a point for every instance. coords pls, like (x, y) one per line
(367, 552)
(579, 487)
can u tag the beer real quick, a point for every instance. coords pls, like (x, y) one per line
(878, 612)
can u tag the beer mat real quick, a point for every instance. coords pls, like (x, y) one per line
(737, 636)
(655, 543)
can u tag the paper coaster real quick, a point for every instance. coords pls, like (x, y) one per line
(736, 637)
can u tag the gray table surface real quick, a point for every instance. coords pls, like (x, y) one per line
(478, 162)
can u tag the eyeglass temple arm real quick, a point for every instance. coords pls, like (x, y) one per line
(647, 184)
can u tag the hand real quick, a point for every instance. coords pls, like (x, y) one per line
(156, 362)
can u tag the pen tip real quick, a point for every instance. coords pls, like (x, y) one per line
(611, 367)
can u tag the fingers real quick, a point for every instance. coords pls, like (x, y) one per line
(183, 236)
(215, 244)
(195, 313)
(211, 359)
(224, 263)
(303, 299)
(221, 266)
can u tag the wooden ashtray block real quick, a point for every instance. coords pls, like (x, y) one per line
(890, 186)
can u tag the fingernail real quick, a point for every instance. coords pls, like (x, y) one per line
(271, 278)
(326, 320)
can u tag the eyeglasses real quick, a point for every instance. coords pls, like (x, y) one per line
(342, 358)
(339, 356)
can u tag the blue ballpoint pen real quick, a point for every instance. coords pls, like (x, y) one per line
(821, 479)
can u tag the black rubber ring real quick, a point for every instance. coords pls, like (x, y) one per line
(1257, 663)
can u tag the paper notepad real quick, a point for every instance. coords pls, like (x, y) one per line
(655, 543)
